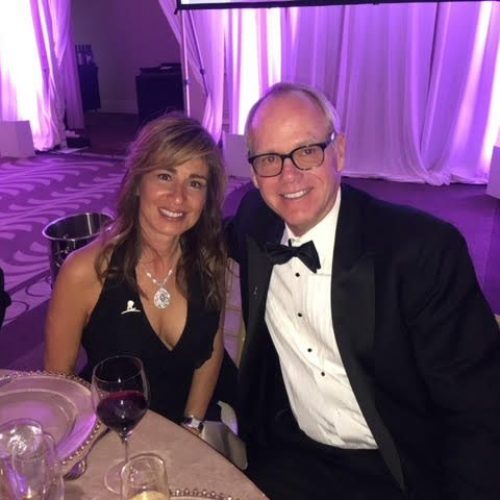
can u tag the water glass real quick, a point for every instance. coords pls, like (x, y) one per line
(37, 470)
(144, 477)
(16, 435)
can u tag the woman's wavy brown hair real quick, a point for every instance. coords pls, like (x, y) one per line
(170, 141)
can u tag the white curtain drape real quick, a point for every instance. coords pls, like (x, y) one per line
(420, 98)
(64, 48)
(205, 53)
(417, 85)
(254, 58)
(38, 80)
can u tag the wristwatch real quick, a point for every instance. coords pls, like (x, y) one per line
(192, 422)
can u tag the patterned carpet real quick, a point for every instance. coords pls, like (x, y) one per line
(35, 192)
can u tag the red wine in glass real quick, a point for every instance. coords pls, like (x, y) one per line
(121, 411)
(120, 395)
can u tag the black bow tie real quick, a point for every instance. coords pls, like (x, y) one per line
(279, 254)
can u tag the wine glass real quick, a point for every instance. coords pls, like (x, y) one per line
(120, 395)
(144, 477)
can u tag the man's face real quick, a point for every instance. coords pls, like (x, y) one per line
(302, 198)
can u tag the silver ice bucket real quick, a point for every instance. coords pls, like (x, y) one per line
(69, 233)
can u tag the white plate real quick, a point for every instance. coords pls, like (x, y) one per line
(62, 404)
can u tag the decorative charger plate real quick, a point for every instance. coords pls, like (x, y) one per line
(62, 404)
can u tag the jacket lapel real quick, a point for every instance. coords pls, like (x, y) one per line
(353, 292)
(259, 366)
(259, 276)
(353, 310)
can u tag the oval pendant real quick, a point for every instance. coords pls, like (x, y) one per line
(161, 298)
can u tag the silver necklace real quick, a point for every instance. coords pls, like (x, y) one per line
(162, 297)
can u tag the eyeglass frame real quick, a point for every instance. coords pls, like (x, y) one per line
(323, 145)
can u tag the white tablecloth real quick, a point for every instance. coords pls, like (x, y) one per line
(191, 463)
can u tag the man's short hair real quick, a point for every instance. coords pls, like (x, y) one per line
(314, 95)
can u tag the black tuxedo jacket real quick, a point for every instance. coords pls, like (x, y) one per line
(417, 338)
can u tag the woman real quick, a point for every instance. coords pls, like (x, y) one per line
(152, 284)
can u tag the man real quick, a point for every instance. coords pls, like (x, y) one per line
(372, 370)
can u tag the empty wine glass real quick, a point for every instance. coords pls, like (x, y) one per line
(120, 396)
(144, 477)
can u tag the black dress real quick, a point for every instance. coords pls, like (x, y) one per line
(118, 325)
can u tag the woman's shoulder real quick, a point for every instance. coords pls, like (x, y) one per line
(78, 285)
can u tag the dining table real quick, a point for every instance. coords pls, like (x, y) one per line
(194, 468)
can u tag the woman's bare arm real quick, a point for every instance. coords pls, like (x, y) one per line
(204, 381)
(74, 296)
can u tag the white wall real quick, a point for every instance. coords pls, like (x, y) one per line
(125, 35)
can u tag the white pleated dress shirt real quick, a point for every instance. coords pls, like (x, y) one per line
(299, 318)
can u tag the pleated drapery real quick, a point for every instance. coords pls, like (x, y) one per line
(38, 77)
(417, 85)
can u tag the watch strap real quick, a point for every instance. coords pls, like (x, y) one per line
(192, 422)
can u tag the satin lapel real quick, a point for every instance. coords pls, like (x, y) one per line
(258, 368)
(259, 275)
(353, 309)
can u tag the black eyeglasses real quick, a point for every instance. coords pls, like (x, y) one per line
(303, 158)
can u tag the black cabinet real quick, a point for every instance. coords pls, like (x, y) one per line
(89, 86)
(159, 90)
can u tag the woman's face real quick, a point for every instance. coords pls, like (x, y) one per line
(171, 200)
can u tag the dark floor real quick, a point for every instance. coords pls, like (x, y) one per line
(109, 133)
